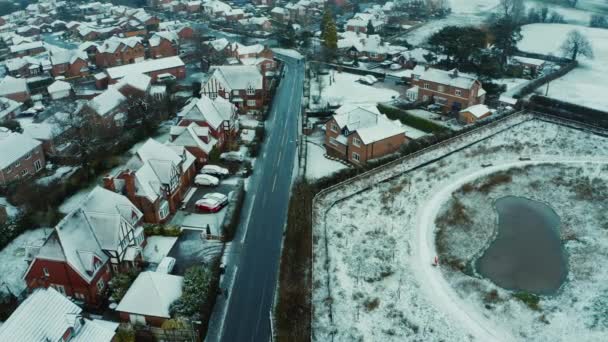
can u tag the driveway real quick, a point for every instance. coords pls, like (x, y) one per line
(191, 250)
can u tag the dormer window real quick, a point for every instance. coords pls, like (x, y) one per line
(250, 91)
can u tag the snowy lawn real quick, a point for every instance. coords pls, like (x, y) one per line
(586, 85)
(62, 171)
(382, 286)
(317, 165)
(11, 210)
(342, 88)
(12, 259)
(158, 247)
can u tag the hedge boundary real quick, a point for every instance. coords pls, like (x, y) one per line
(410, 120)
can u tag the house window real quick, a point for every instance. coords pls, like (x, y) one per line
(441, 100)
(59, 288)
(100, 284)
(115, 268)
(24, 172)
(8, 169)
(356, 156)
(250, 91)
(37, 165)
(427, 86)
(28, 156)
(334, 127)
(458, 92)
(417, 77)
(17, 164)
(333, 141)
(45, 271)
(440, 88)
(356, 142)
(251, 103)
(164, 210)
(79, 295)
(235, 93)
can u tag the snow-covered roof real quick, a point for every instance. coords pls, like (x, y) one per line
(26, 46)
(59, 86)
(238, 77)
(367, 122)
(477, 110)
(13, 146)
(7, 106)
(62, 56)
(145, 67)
(452, 78)
(531, 61)
(248, 49)
(151, 294)
(46, 315)
(12, 85)
(138, 81)
(107, 101)
(216, 6)
(383, 129)
(214, 112)
(157, 37)
(279, 10)
(219, 44)
(191, 136)
(112, 44)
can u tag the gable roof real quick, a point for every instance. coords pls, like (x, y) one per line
(151, 294)
(190, 136)
(238, 77)
(12, 85)
(214, 112)
(107, 101)
(367, 122)
(451, 78)
(13, 146)
(157, 37)
(46, 315)
(145, 67)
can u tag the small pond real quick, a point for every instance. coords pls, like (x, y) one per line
(527, 254)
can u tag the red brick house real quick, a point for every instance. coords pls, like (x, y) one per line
(149, 298)
(243, 85)
(474, 113)
(156, 179)
(15, 89)
(9, 109)
(152, 67)
(193, 6)
(358, 134)
(69, 63)
(109, 108)
(183, 31)
(205, 124)
(118, 51)
(20, 156)
(25, 66)
(451, 90)
(102, 237)
(27, 49)
(164, 44)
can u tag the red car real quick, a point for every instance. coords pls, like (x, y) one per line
(212, 202)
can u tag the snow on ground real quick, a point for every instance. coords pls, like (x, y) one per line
(62, 171)
(586, 85)
(382, 285)
(288, 52)
(11, 210)
(12, 259)
(317, 165)
(510, 82)
(340, 88)
(472, 6)
(157, 247)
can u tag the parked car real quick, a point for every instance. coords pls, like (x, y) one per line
(166, 265)
(206, 180)
(232, 156)
(214, 170)
(212, 202)
(395, 66)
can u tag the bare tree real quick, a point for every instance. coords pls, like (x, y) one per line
(577, 44)
(512, 9)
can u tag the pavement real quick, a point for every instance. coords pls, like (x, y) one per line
(252, 261)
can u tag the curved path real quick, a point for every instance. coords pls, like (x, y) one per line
(436, 287)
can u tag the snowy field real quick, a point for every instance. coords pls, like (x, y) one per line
(342, 88)
(12, 259)
(382, 286)
(586, 85)
(317, 165)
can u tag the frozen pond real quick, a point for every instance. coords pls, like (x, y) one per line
(527, 254)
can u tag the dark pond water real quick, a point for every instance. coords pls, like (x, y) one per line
(527, 253)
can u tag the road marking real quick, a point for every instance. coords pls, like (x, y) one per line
(264, 200)
(246, 225)
(257, 324)
(274, 183)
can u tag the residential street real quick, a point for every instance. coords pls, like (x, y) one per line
(256, 248)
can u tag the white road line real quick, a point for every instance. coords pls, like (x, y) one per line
(274, 183)
(246, 224)
(257, 324)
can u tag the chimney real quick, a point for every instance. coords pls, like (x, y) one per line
(426, 67)
(129, 177)
(108, 183)
(454, 73)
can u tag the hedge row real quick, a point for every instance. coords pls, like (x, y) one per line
(534, 84)
(410, 120)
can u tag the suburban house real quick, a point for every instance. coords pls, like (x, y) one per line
(14, 88)
(20, 156)
(531, 66)
(360, 21)
(27, 66)
(118, 51)
(370, 47)
(109, 108)
(360, 133)
(156, 179)
(69, 63)
(183, 30)
(27, 49)
(101, 237)
(205, 124)
(164, 44)
(280, 14)
(49, 132)
(474, 113)
(59, 89)
(154, 68)
(243, 85)
(47, 315)
(9, 109)
(149, 298)
(451, 90)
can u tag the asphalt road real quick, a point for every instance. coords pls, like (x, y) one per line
(264, 216)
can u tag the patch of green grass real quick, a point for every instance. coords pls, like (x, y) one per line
(530, 299)
(410, 120)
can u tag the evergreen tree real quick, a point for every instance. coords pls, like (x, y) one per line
(370, 29)
(507, 33)
(329, 33)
